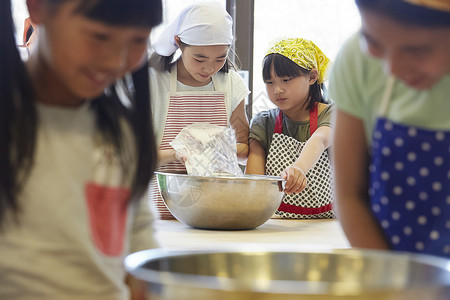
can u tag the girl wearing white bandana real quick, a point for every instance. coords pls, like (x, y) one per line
(200, 86)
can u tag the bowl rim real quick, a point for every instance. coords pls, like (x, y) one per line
(135, 261)
(226, 177)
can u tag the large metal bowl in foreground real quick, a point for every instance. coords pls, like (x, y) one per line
(273, 275)
(221, 202)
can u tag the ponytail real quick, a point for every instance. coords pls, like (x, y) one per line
(161, 63)
(316, 94)
(17, 117)
(109, 109)
(143, 130)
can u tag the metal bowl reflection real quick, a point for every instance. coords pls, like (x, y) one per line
(267, 274)
(221, 202)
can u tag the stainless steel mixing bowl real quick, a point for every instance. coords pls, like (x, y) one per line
(221, 202)
(270, 274)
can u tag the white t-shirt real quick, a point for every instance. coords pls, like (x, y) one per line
(69, 244)
(231, 83)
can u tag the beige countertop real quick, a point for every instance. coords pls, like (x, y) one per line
(300, 234)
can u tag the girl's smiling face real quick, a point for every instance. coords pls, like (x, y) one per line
(80, 55)
(418, 56)
(201, 62)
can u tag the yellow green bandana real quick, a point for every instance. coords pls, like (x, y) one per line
(302, 52)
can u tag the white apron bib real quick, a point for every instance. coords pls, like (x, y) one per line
(184, 109)
(315, 201)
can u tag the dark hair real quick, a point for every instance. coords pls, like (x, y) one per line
(407, 13)
(284, 67)
(165, 63)
(18, 116)
(29, 33)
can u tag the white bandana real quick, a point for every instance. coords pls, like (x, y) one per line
(202, 24)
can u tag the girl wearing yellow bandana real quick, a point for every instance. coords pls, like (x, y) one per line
(391, 86)
(292, 140)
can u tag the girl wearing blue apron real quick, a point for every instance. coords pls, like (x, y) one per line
(391, 85)
(409, 179)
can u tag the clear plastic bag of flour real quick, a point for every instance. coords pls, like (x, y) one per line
(210, 150)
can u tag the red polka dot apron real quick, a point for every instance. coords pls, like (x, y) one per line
(315, 201)
(410, 184)
(184, 109)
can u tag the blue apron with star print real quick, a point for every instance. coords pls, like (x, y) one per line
(410, 185)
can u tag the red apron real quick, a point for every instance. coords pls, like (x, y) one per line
(184, 109)
(315, 201)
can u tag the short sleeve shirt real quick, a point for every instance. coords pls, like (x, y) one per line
(54, 252)
(262, 126)
(357, 82)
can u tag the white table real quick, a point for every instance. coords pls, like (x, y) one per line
(298, 234)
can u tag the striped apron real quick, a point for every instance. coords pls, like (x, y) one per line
(184, 109)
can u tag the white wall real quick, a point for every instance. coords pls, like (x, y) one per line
(328, 23)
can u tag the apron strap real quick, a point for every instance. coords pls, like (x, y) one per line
(173, 79)
(279, 123)
(386, 96)
(313, 117)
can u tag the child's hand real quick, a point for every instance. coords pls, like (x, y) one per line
(170, 155)
(137, 288)
(295, 180)
(180, 157)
